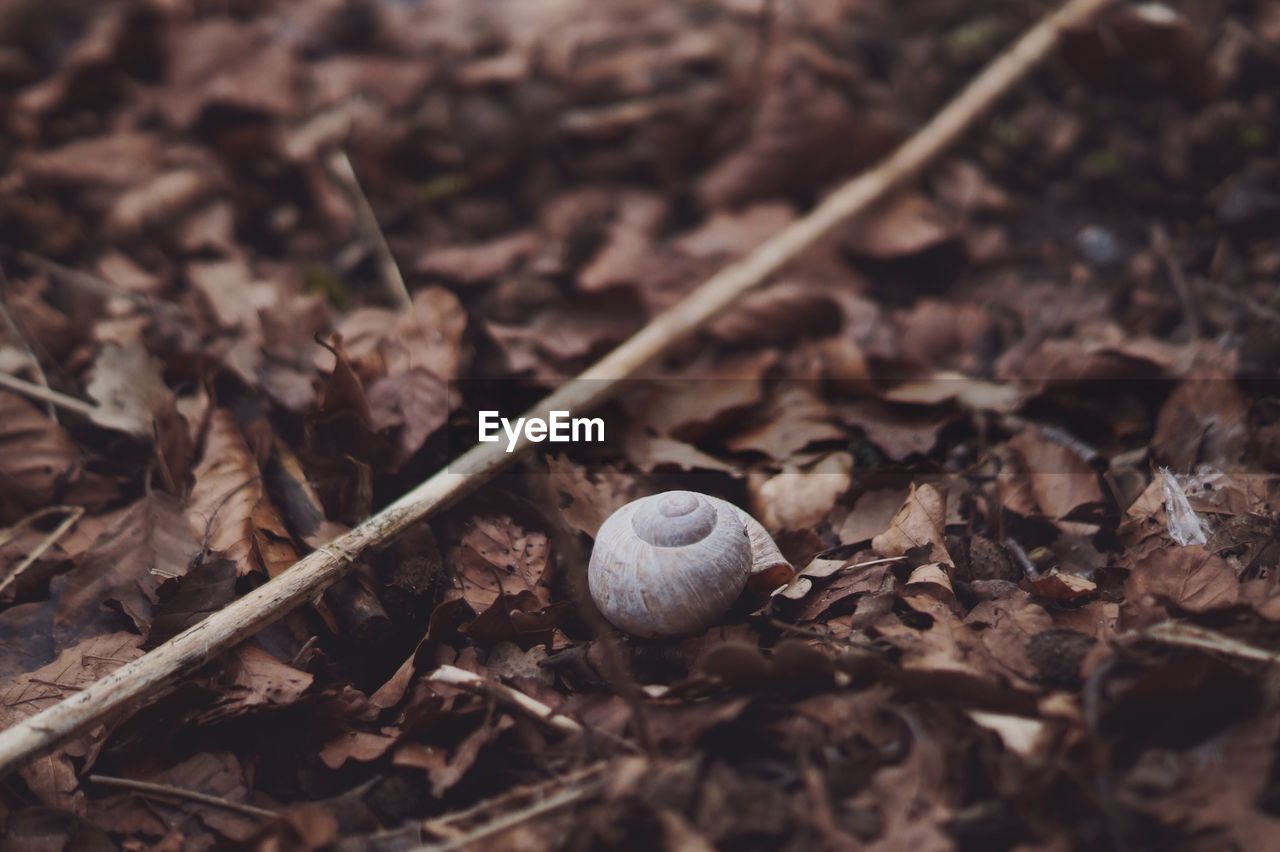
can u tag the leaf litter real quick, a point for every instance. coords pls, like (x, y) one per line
(1025, 451)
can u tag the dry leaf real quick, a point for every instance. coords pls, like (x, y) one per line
(919, 524)
(36, 454)
(799, 499)
(127, 384)
(128, 563)
(230, 511)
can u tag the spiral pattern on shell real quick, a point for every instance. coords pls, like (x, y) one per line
(670, 564)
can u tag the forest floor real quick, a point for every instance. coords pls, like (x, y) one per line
(1018, 428)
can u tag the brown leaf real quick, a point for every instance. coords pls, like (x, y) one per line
(53, 778)
(705, 396)
(217, 774)
(229, 508)
(477, 262)
(585, 497)
(1189, 578)
(794, 419)
(653, 452)
(627, 243)
(1060, 478)
(411, 405)
(800, 498)
(898, 430)
(497, 556)
(1203, 422)
(564, 333)
(1058, 586)
(361, 746)
(253, 679)
(870, 515)
(730, 234)
(805, 132)
(906, 224)
(126, 565)
(779, 312)
(127, 384)
(919, 524)
(428, 335)
(208, 586)
(36, 454)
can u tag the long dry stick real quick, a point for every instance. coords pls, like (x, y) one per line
(130, 685)
(168, 791)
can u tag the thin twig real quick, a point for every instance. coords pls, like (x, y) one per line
(513, 698)
(513, 819)
(586, 773)
(10, 327)
(147, 788)
(131, 685)
(1160, 245)
(74, 514)
(8, 534)
(367, 220)
(46, 394)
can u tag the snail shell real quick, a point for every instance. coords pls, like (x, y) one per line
(672, 563)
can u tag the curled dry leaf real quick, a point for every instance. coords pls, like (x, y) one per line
(127, 564)
(229, 509)
(794, 419)
(254, 679)
(800, 498)
(918, 526)
(36, 454)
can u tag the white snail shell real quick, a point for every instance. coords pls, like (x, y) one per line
(671, 564)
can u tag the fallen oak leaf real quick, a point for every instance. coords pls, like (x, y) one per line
(127, 564)
(229, 509)
(919, 524)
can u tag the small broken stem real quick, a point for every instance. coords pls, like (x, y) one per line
(1160, 245)
(1190, 636)
(46, 394)
(10, 327)
(513, 698)
(74, 514)
(147, 788)
(367, 220)
(511, 820)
